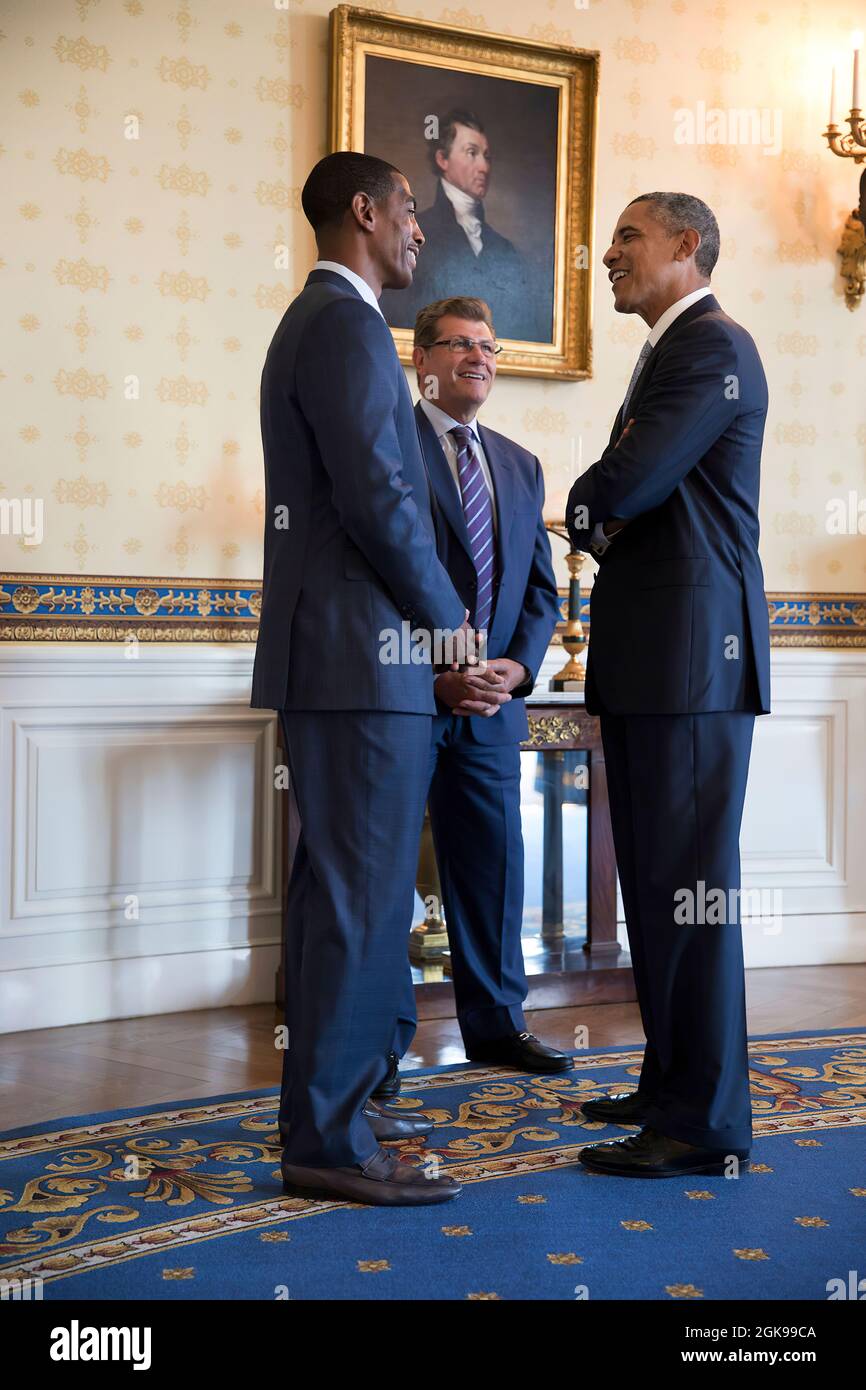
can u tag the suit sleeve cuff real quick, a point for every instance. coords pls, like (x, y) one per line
(599, 542)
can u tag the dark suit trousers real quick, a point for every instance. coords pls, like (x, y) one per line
(360, 780)
(677, 785)
(474, 802)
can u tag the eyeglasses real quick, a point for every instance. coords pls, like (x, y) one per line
(488, 346)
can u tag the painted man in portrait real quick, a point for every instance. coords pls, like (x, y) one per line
(463, 254)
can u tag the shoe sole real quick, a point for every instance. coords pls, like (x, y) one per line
(710, 1169)
(514, 1066)
(394, 1139)
(609, 1120)
(401, 1138)
(326, 1194)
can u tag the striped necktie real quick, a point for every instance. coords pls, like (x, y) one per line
(478, 510)
(638, 368)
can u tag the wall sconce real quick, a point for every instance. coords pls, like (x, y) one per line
(852, 247)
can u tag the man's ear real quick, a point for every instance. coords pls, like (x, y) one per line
(362, 209)
(690, 240)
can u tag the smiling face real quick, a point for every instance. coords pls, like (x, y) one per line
(648, 267)
(396, 237)
(467, 163)
(463, 379)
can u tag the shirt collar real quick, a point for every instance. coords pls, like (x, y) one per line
(462, 202)
(442, 422)
(364, 290)
(672, 313)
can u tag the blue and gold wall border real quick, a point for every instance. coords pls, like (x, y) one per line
(817, 620)
(108, 608)
(104, 608)
(796, 620)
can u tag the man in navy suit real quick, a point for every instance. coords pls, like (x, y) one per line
(678, 667)
(350, 554)
(488, 495)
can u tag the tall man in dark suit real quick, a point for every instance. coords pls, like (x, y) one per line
(678, 667)
(462, 247)
(350, 553)
(488, 496)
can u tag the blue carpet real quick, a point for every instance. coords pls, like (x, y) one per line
(183, 1201)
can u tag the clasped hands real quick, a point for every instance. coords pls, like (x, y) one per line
(479, 688)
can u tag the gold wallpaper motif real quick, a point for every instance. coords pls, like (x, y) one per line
(155, 151)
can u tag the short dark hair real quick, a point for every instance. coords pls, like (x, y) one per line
(332, 184)
(458, 115)
(460, 307)
(676, 211)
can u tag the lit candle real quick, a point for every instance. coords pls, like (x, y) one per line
(833, 96)
(857, 40)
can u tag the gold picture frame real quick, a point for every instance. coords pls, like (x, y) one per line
(566, 79)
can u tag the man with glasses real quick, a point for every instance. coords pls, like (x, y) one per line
(488, 494)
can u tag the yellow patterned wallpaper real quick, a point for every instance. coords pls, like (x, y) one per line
(155, 152)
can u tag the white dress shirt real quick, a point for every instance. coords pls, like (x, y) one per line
(364, 290)
(466, 211)
(600, 541)
(442, 423)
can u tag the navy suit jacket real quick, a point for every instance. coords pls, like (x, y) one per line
(527, 605)
(358, 556)
(678, 614)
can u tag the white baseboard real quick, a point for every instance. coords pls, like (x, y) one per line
(52, 996)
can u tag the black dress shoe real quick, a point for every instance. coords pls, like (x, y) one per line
(388, 1125)
(620, 1109)
(380, 1182)
(520, 1050)
(649, 1154)
(389, 1086)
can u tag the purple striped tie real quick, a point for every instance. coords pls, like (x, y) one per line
(478, 510)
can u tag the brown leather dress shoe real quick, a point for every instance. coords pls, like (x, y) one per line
(388, 1126)
(380, 1182)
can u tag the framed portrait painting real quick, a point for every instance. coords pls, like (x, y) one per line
(496, 137)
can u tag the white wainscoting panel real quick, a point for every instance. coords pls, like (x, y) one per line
(139, 857)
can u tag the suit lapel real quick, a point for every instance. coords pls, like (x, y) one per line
(701, 306)
(442, 480)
